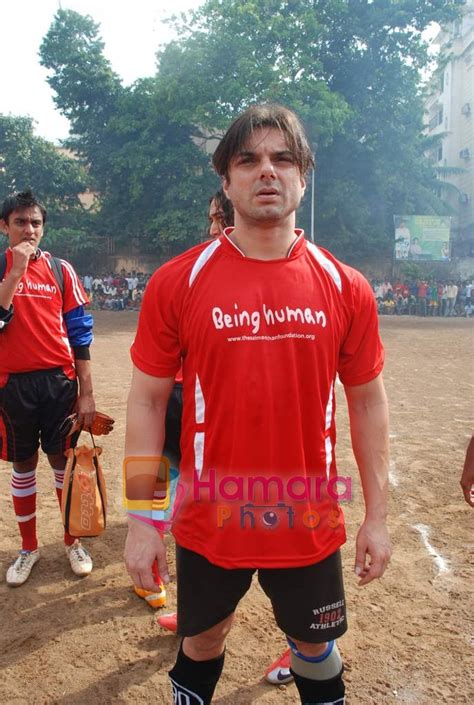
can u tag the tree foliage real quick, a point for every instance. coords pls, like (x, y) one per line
(30, 161)
(349, 68)
(148, 172)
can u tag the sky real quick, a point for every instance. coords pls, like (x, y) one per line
(131, 31)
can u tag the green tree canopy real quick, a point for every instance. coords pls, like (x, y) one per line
(350, 69)
(57, 179)
(28, 160)
(149, 173)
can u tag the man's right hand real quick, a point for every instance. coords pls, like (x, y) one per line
(143, 546)
(22, 253)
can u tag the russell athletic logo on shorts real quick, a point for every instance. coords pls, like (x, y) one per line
(328, 616)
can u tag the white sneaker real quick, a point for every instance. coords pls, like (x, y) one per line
(19, 571)
(79, 558)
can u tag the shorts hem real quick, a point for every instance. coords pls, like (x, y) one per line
(257, 563)
(195, 631)
(334, 634)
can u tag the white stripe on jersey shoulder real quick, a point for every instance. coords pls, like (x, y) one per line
(75, 283)
(326, 264)
(203, 258)
(299, 235)
(231, 242)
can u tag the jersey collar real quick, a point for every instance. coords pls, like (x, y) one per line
(295, 248)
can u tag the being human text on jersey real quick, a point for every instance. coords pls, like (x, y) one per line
(242, 318)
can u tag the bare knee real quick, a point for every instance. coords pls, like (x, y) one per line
(209, 644)
(26, 465)
(57, 461)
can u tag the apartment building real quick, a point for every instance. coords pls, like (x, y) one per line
(450, 114)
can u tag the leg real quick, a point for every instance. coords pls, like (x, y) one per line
(19, 444)
(57, 462)
(309, 607)
(23, 489)
(207, 598)
(209, 644)
(317, 670)
(200, 662)
(59, 394)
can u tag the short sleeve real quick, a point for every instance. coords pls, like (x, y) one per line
(156, 350)
(361, 355)
(73, 294)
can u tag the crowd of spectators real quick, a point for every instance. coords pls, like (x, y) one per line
(425, 298)
(124, 291)
(116, 291)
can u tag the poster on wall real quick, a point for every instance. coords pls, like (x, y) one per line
(422, 237)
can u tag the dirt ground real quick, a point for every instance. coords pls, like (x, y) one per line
(69, 641)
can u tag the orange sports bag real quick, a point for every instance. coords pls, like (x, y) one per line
(84, 499)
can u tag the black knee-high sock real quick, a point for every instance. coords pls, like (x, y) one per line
(195, 679)
(312, 692)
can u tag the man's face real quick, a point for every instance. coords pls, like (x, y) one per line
(264, 182)
(216, 220)
(25, 225)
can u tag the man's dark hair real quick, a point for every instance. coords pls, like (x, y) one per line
(266, 115)
(225, 206)
(19, 201)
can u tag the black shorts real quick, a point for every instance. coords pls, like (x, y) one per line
(174, 412)
(32, 407)
(308, 602)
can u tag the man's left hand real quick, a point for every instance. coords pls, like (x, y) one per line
(373, 550)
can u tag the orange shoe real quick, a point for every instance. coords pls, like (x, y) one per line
(168, 621)
(155, 598)
(279, 672)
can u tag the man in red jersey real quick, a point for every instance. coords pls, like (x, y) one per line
(44, 348)
(263, 321)
(220, 216)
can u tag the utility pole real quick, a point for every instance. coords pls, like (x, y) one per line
(312, 205)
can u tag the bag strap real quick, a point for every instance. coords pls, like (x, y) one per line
(99, 484)
(67, 509)
(93, 442)
(57, 268)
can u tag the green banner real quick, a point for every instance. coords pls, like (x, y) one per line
(422, 237)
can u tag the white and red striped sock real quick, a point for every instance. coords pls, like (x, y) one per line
(23, 489)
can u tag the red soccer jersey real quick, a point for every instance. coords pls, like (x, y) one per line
(36, 337)
(261, 343)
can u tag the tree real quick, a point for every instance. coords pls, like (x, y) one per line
(57, 179)
(26, 159)
(350, 69)
(148, 172)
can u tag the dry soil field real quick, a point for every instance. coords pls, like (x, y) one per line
(93, 642)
